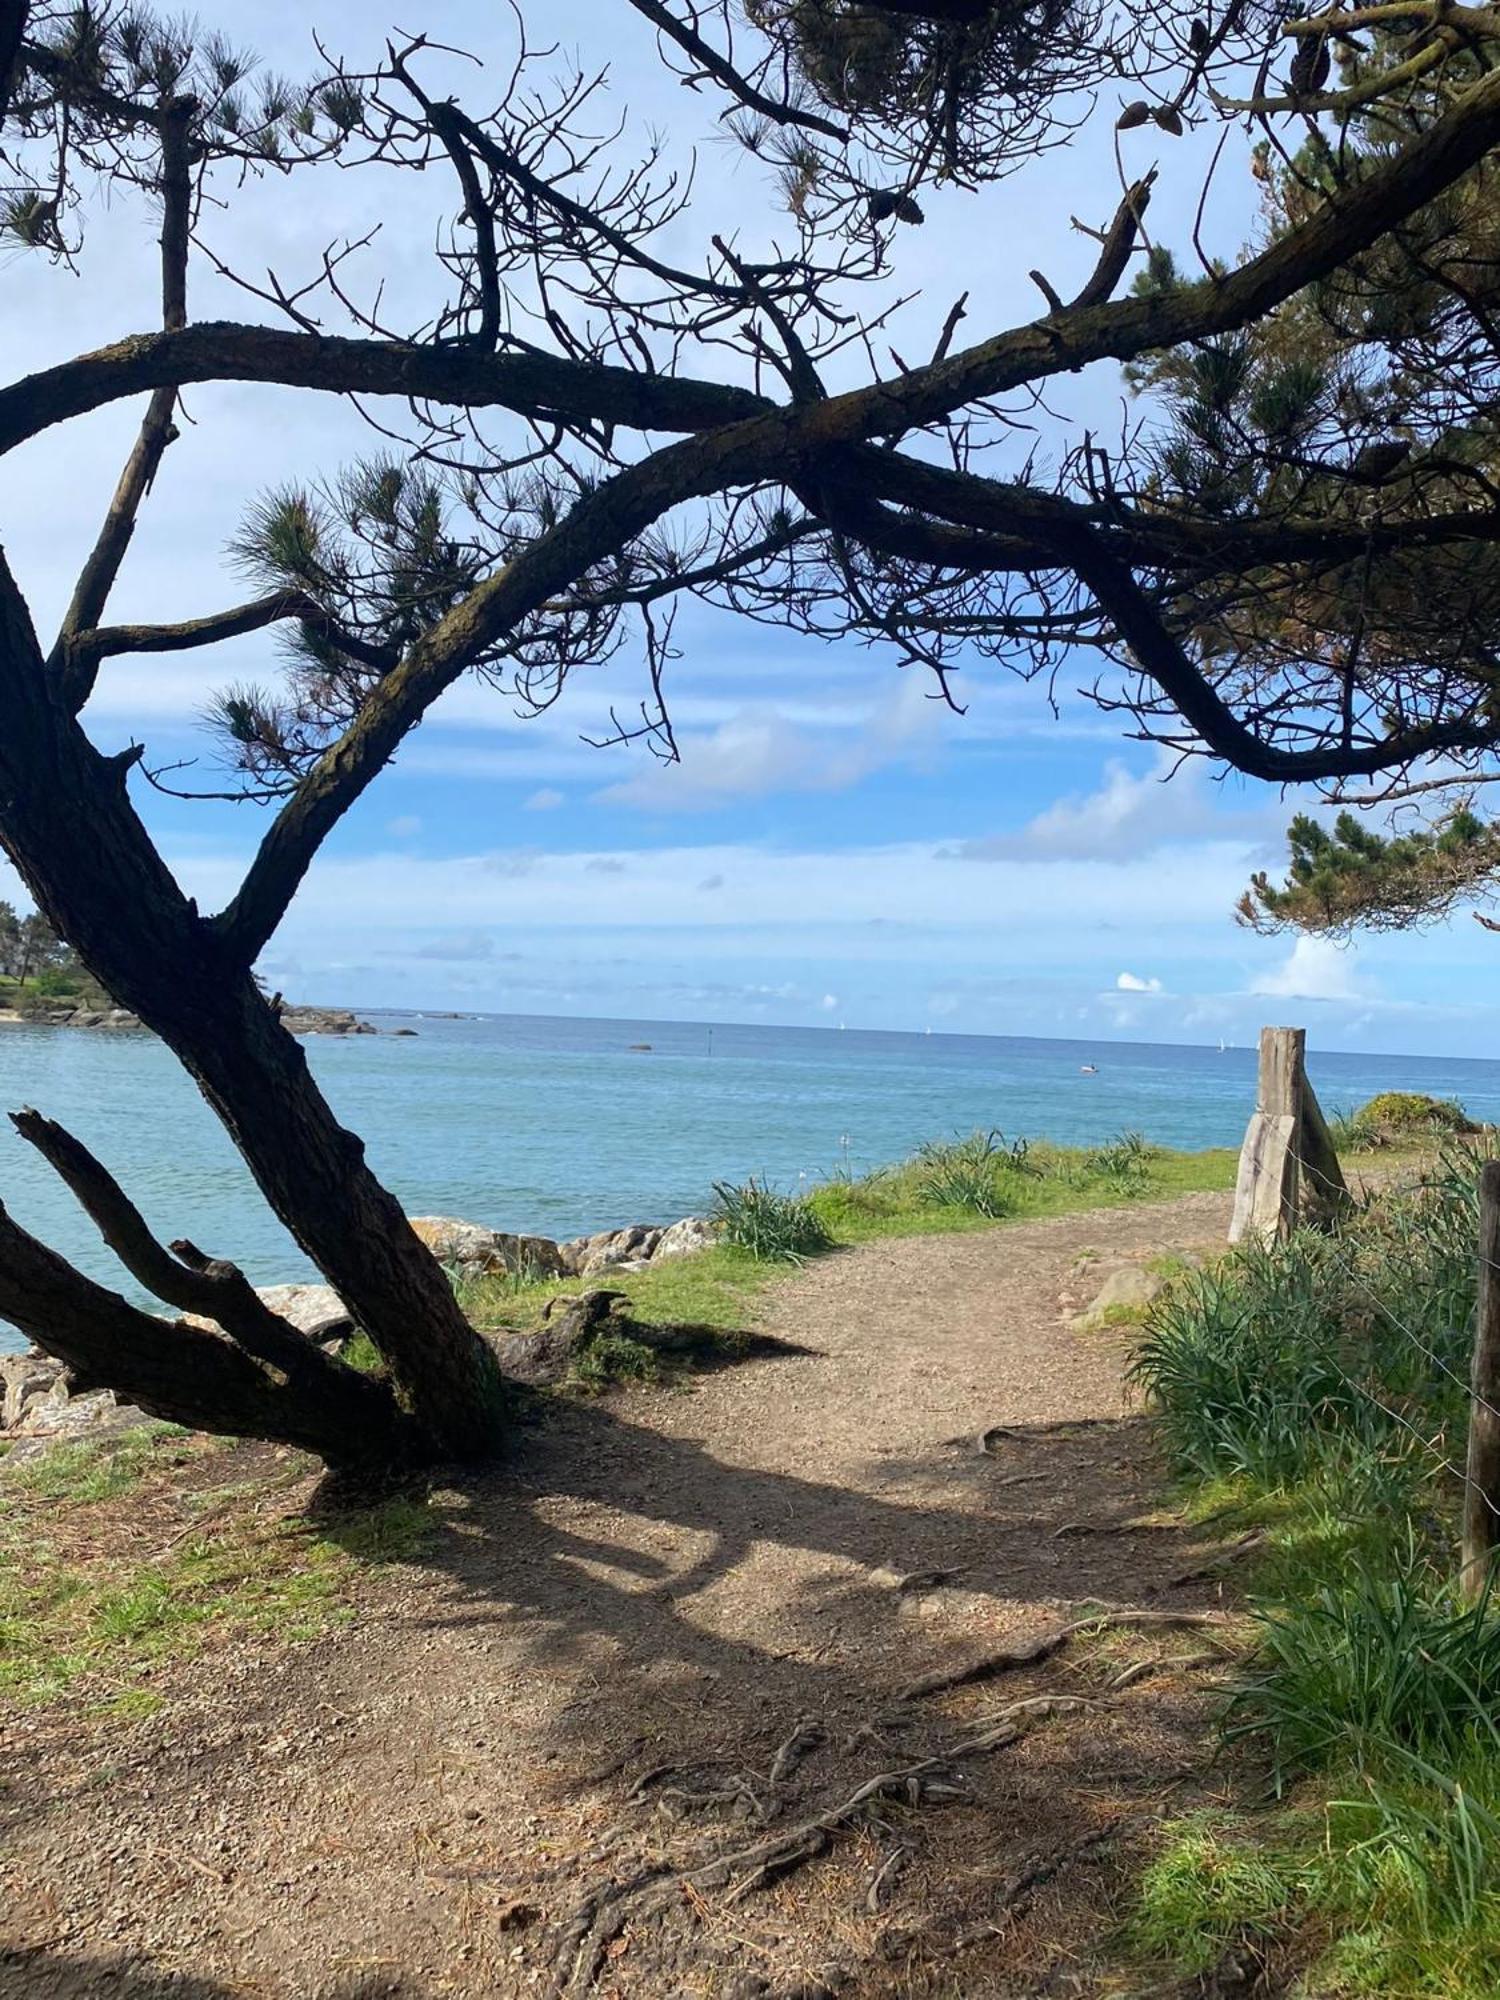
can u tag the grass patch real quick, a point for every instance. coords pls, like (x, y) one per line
(98, 1468)
(84, 1617)
(1318, 1390)
(721, 1286)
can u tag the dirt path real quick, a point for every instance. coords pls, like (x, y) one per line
(497, 1780)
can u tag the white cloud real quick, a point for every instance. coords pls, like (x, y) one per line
(1316, 969)
(1133, 813)
(1130, 982)
(829, 1002)
(762, 750)
(545, 800)
(404, 827)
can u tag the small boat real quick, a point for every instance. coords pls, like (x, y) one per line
(640, 1048)
(1088, 1069)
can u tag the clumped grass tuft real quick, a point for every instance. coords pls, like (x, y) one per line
(614, 1357)
(768, 1225)
(978, 1172)
(1319, 1389)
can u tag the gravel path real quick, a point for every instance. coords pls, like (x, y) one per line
(591, 1668)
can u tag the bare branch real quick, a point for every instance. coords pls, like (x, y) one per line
(723, 71)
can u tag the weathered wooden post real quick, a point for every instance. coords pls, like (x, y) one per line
(1482, 1492)
(1288, 1166)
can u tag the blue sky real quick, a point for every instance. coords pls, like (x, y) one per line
(835, 845)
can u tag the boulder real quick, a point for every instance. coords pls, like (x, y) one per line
(477, 1251)
(316, 1310)
(1125, 1294)
(26, 1379)
(686, 1238)
(584, 1256)
(61, 1415)
(324, 1021)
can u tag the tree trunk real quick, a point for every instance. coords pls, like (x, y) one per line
(67, 823)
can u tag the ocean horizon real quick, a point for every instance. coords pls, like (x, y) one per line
(562, 1125)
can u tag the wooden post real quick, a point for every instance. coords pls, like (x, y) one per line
(1482, 1493)
(1265, 1195)
(1288, 1166)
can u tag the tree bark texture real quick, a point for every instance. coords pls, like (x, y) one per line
(68, 825)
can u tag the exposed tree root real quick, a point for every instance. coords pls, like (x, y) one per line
(1020, 1433)
(929, 1579)
(1015, 1898)
(806, 1737)
(1215, 1564)
(604, 1912)
(1070, 1529)
(883, 1880)
(1033, 1651)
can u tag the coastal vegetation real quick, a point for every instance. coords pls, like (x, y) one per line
(1317, 411)
(768, 1233)
(1313, 1398)
(37, 970)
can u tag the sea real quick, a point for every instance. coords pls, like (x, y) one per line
(558, 1127)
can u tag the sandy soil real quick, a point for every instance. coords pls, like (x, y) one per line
(676, 1628)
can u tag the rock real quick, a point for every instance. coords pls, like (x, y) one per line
(58, 1414)
(1125, 1294)
(409, 1033)
(477, 1251)
(584, 1256)
(25, 1379)
(686, 1238)
(324, 1021)
(316, 1310)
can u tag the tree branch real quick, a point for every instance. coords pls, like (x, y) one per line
(97, 578)
(12, 59)
(189, 1375)
(723, 71)
(216, 1290)
(107, 640)
(531, 384)
(1162, 657)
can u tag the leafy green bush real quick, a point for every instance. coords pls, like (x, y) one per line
(774, 1227)
(1408, 1114)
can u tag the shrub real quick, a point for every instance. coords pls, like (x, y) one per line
(775, 1227)
(1352, 1131)
(1408, 1114)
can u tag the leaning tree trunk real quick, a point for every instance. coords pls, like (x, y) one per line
(67, 823)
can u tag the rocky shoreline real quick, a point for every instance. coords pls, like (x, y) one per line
(299, 1020)
(42, 1404)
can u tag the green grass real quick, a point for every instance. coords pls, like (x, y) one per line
(95, 1469)
(82, 1620)
(1315, 1392)
(721, 1286)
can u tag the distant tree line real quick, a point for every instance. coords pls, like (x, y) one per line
(37, 967)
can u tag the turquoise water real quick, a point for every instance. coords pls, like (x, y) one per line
(558, 1126)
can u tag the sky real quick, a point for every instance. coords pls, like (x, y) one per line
(835, 845)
